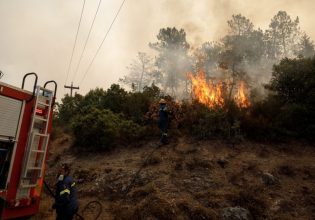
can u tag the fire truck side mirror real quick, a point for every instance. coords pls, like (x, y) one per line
(35, 84)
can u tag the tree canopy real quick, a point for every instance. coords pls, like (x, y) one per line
(172, 59)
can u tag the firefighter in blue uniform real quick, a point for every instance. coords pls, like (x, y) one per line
(163, 121)
(66, 201)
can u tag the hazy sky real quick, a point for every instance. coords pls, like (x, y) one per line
(38, 35)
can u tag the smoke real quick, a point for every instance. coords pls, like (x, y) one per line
(38, 36)
(257, 73)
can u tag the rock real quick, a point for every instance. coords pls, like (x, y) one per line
(187, 181)
(275, 206)
(197, 179)
(80, 180)
(269, 179)
(235, 213)
(123, 189)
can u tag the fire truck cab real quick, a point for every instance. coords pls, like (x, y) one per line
(25, 126)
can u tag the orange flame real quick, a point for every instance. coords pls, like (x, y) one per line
(240, 96)
(207, 93)
(212, 94)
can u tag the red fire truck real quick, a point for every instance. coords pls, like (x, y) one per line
(25, 125)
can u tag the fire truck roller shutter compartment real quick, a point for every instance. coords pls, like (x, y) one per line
(10, 110)
(9, 117)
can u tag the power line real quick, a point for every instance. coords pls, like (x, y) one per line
(87, 70)
(87, 39)
(75, 41)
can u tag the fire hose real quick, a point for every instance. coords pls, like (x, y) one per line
(135, 177)
(128, 188)
(85, 208)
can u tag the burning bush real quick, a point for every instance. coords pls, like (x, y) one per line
(199, 119)
(218, 94)
(174, 109)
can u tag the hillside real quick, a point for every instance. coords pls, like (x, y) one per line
(190, 179)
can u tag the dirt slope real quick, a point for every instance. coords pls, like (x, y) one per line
(190, 179)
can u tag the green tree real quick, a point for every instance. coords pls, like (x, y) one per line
(293, 82)
(115, 98)
(207, 57)
(172, 59)
(138, 103)
(95, 98)
(243, 45)
(243, 52)
(240, 25)
(142, 72)
(305, 47)
(282, 35)
(69, 108)
(289, 109)
(245, 48)
(239, 52)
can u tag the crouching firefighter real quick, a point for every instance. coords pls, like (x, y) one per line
(163, 121)
(66, 202)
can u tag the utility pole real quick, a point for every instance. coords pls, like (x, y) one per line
(71, 88)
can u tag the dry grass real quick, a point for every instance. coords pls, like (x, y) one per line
(184, 181)
(197, 212)
(46, 211)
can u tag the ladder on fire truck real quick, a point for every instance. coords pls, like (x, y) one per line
(38, 138)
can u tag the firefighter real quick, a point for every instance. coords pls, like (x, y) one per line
(66, 202)
(163, 121)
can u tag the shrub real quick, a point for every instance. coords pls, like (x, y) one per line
(68, 109)
(260, 121)
(254, 200)
(102, 129)
(293, 80)
(289, 110)
(202, 122)
(174, 109)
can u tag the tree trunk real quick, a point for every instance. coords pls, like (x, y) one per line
(141, 78)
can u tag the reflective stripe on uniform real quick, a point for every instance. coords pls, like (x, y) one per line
(73, 184)
(65, 191)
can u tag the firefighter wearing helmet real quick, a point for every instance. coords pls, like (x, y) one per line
(66, 201)
(163, 121)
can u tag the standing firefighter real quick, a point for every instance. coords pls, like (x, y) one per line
(163, 121)
(66, 202)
